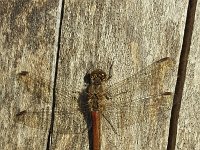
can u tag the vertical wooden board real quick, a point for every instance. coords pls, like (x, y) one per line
(188, 134)
(133, 35)
(27, 31)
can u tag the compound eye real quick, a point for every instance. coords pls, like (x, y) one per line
(103, 76)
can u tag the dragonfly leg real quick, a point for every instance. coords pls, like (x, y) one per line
(110, 71)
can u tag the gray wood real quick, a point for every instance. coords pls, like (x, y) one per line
(27, 32)
(188, 135)
(132, 34)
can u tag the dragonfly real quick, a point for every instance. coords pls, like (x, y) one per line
(109, 102)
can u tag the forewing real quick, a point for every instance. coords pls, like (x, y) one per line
(148, 81)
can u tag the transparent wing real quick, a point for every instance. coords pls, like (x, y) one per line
(146, 82)
(71, 111)
(121, 114)
(66, 121)
(139, 118)
(40, 88)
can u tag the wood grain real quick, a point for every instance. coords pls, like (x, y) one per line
(94, 34)
(27, 31)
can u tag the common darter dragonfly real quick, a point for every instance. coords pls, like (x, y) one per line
(144, 89)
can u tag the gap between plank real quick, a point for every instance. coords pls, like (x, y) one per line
(181, 74)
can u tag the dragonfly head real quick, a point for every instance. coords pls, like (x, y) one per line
(98, 76)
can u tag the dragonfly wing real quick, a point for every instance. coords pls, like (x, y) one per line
(148, 81)
(38, 119)
(122, 113)
(136, 119)
(71, 121)
(30, 83)
(65, 122)
(77, 118)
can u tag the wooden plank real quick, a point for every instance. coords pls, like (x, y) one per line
(132, 35)
(188, 135)
(27, 32)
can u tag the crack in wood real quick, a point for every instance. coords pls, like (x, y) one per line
(60, 19)
(181, 74)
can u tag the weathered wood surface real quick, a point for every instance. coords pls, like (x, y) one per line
(188, 134)
(27, 32)
(133, 34)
